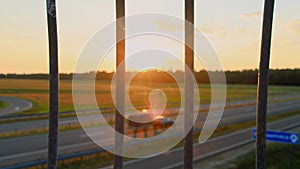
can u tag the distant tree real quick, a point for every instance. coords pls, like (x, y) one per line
(249, 76)
(2, 76)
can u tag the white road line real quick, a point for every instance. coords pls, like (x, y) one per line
(93, 134)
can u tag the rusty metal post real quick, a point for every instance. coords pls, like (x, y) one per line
(120, 82)
(189, 85)
(53, 92)
(262, 91)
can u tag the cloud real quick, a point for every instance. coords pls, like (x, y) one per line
(219, 27)
(248, 32)
(295, 26)
(175, 26)
(206, 30)
(169, 26)
(252, 15)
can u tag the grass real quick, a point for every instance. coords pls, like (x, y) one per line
(29, 132)
(2, 104)
(251, 123)
(278, 157)
(37, 92)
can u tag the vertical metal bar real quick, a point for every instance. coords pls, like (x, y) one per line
(189, 88)
(262, 91)
(292, 156)
(120, 82)
(53, 65)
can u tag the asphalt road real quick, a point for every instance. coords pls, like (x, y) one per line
(173, 159)
(17, 150)
(247, 108)
(14, 105)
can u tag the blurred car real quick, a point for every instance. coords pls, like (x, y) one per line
(163, 122)
(147, 120)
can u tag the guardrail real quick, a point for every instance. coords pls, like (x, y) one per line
(73, 113)
(46, 115)
(63, 113)
(42, 115)
(43, 162)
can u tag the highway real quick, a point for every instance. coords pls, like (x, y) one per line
(173, 159)
(244, 107)
(17, 150)
(14, 105)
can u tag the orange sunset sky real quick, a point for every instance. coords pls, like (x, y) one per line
(232, 26)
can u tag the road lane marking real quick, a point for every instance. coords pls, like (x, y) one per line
(93, 134)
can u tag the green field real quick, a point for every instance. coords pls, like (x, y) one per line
(278, 157)
(37, 92)
(2, 105)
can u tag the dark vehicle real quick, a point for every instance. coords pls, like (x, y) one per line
(163, 122)
(140, 120)
(146, 121)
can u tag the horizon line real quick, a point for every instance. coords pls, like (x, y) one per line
(228, 70)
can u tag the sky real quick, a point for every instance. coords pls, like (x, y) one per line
(233, 27)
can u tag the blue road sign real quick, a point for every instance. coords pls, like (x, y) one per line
(279, 136)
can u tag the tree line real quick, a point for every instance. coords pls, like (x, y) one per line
(276, 76)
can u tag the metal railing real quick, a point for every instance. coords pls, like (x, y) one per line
(263, 82)
(53, 83)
